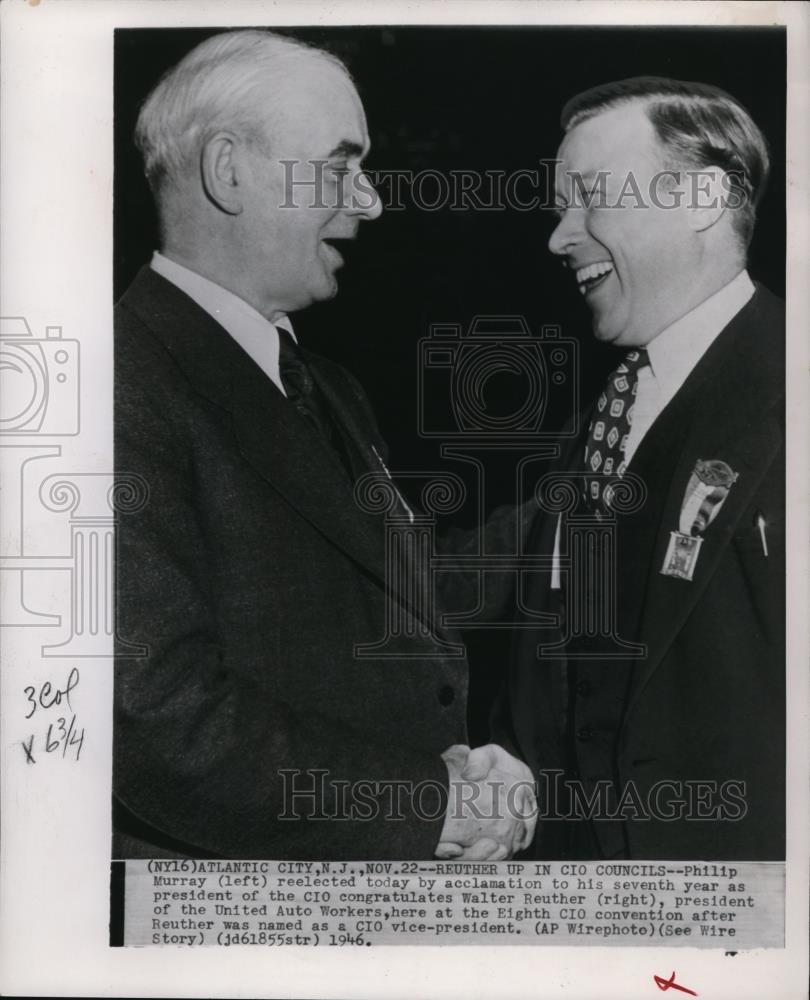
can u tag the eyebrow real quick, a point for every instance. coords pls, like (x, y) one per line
(346, 148)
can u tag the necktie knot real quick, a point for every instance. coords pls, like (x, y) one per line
(307, 398)
(294, 371)
(636, 359)
(625, 376)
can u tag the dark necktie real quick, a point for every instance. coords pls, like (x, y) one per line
(299, 384)
(305, 395)
(610, 426)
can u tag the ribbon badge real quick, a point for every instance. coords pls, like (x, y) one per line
(705, 494)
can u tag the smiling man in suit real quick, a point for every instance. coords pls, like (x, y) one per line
(250, 729)
(652, 711)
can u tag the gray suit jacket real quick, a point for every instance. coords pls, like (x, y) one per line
(250, 574)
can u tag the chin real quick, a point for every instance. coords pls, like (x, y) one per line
(605, 333)
(328, 286)
(323, 293)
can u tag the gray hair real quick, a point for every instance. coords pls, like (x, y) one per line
(211, 88)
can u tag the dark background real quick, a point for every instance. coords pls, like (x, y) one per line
(465, 98)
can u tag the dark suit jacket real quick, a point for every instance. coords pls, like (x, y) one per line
(251, 574)
(707, 701)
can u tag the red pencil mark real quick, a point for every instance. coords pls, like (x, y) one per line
(670, 984)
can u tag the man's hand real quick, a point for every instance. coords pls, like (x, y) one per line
(491, 810)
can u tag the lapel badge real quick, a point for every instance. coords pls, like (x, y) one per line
(705, 494)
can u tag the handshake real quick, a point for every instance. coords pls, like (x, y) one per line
(491, 808)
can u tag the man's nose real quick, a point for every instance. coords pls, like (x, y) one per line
(567, 233)
(364, 200)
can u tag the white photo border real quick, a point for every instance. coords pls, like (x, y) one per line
(56, 255)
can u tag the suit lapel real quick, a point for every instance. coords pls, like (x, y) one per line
(355, 423)
(283, 448)
(290, 454)
(725, 410)
(352, 422)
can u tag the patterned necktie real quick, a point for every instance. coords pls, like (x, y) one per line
(305, 395)
(609, 428)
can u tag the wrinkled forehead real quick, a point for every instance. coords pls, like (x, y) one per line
(619, 139)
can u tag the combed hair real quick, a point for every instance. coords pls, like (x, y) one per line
(700, 125)
(213, 88)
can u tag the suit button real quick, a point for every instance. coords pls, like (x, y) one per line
(583, 688)
(584, 734)
(447, 696)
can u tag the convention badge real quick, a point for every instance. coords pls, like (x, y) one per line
(682, 555)
(705, 494)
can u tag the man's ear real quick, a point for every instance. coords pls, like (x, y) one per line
(708, 197)
(218, 168)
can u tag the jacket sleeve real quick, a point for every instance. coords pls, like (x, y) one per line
(459, 586)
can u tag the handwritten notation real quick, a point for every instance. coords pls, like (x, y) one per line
(46, 697)
(62, 734)
(670, 984)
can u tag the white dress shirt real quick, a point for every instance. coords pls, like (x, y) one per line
(673, 354)
(255, 334)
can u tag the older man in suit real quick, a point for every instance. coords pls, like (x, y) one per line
(652, 710)
(250, 729)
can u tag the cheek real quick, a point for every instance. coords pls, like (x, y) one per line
(653, 275)
(305, 246)
(642, 248)
(615, 230)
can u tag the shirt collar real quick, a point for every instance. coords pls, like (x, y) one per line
(678, 348)
(254, 333)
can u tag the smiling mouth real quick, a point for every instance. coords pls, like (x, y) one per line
(592, 275)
